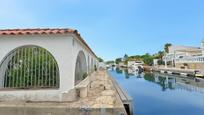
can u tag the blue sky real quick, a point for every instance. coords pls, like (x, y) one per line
(113, 28)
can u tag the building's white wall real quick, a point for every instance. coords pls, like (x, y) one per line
(121, 64)
(177, 51)
(78, 46)
(64, 48)
(202, 47)
(59, 46)
(185, 51)
(174, 48)
(130, 63)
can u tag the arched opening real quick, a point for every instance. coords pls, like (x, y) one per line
(81, 68)
(29, 67)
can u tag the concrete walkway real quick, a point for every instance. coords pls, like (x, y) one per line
(102, 99)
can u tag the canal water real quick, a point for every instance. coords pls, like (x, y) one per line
(162, 94)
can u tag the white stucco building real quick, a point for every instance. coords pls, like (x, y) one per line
(43, 64)
(185, 57)
(131, 63)
(122, 64)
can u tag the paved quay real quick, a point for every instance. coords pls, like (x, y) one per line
(178, 71)
(102, 99)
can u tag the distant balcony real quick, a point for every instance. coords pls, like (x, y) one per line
(195, 59)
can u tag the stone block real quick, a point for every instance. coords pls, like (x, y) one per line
(83, 92)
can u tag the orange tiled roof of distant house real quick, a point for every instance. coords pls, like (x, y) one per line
(46, 31)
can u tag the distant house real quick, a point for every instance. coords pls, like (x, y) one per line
(122, 64)
(101, 65)
(185, 57)
(130, 63)
(110, 64)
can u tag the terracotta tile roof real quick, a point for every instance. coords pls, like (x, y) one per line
(37, 31)
(45, 31)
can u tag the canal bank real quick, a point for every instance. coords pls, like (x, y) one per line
(178, 71)
(102, 99)
(162, 94)
(124, 96)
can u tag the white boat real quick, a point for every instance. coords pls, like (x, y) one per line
(137, 66)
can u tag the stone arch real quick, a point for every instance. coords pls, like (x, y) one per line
(80, 68)
(29, 67)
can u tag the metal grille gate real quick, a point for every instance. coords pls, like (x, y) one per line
(29, 67)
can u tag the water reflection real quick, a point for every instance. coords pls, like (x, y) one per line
(170, 82)
(166, 82)
(162, 94)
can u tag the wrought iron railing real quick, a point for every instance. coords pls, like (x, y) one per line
(195, 59)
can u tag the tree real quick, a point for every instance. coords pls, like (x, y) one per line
(110, 62)
(160, 54)
(166, 47)
(148, 59)
(135, 57)
(100, 59)
(117, 60)
(125, 57)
